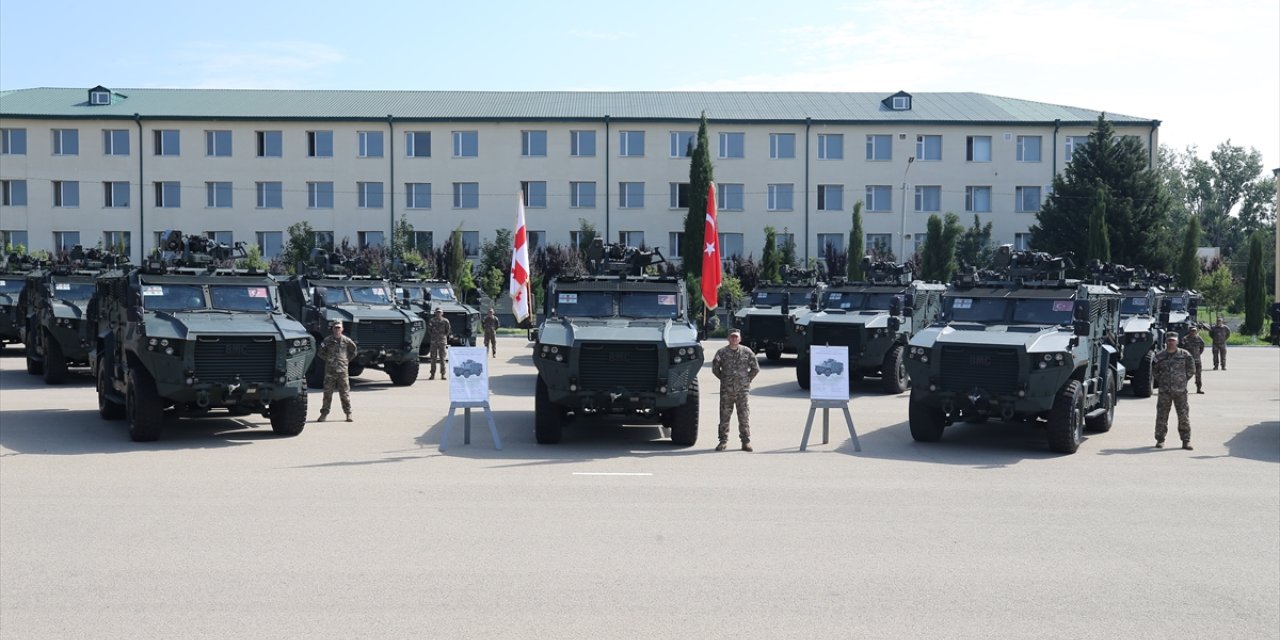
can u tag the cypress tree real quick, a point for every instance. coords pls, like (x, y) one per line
(1099, 241)
(1188, 271)
(857, 245)
(1255, 288)
(700, 178)
(457, 259)
(770, 260)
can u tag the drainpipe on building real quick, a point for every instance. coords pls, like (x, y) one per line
(391, 184)
(808, 121)
(1151, 140)
(606, 178)
(142, 226)
(1057, 124)
(1276, 173)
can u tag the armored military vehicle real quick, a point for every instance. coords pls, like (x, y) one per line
(425, 296)
(767, 321)
(58, 325)
(1141, 330)
(873, 318)
(181, 332)
(1019, 342)
(829, 367)
(468, 369)
(1180, 310)
(617, 343)
(387, 333)
(13, 273)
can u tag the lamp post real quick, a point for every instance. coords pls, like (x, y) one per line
(902, 233)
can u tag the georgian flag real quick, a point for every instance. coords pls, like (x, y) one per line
(520, 303)
(710, 253)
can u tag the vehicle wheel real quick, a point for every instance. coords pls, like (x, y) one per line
(315, 374)
(55, 364)
(926, 421)
(1102, 423)
(107, 408)
(289, 415)
(35, 366)
(893, 376)
(354, 370)
(1066, 419)
(142, 406)
(684, 419)
(471, 342)
(773, 354)
(1142, 384)
(405, 373)
(802, 371)
(547, 426)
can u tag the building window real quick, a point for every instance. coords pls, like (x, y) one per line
(369, 144)
(977, 199)
(733, 145)
(168, 195)
(682, 143)
(66, 142)
(1028, 148)
(537, 240)
(880, 148)
(424, 242)
(270, 244)
(14, 192)
(781, 196)
(369, 239)
(1073, 144)
(901, 103)
(319, 144)
(928, 199)
(917, 243)
(319, 195)
(582, 144)
(115, 142)
(830, 197)
(879, 198)
(166, 142)
(631, 144)
(929, 148)
(270, 144)
(66, 193)
(118, 241)
(1022, 241)
(217, 195)
(217, 144)
(675, 240)
(630, 195)
(466, 144)
(731, 246)
(831, 146)
(471, 243)
(785, 241)
(11, 240)
(830, 241)
(729, 196)
(679, 192)
(977, 149)
(582, 195)
(13, 142)
(535, 194)
(782, 146)
(64, 241)
(533, 144)
(1027, 199)
(115, 194)
(270, 195)
(369, 195)
(417, 144)
(631, 238)
(417, 195)
(466, 195)
(878, 243)
(324, 240)
(225, 238)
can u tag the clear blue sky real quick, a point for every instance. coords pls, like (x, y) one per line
(1209, 70)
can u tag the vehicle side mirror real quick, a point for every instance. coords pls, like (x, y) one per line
(1193, 306)
(1166, 306)
(1164, 318)
(909, 305)
(320, 299)
(1080, 312)
(533, 335)
(894, 324)
(895, 306)
(1080, 328)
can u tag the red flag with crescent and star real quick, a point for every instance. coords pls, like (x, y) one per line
(711, 253)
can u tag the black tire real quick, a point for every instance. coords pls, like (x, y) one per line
(354, 370)
(55, 363)
(107, 408)
(1066, 419)
(1102, 423)
(1143, 384)
(773, 354)
(315, 374)
(548, 428)
(684, 419)
(143, 407)
(35, 366)
(926, 422)
(802, 371)
(404, 374)
(893, 372)
(289, 415)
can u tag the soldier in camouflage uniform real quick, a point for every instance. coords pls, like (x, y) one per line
(490, 326)
(1219, 333)
(1194, 345)
(336, 352)
(735, 366)
(1172, 369)
(438, 333)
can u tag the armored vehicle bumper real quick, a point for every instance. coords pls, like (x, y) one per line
(981, 380)
(611, 377)
(10, 326)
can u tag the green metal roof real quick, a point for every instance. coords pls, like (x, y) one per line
(726, 106)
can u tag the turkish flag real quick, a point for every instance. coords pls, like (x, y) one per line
(710, 253)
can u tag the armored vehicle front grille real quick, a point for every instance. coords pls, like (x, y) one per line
(836, 335)
(762, 327)
(377, 335)
(224, 358)
(608, 366)
(966, 368)
(458, 325)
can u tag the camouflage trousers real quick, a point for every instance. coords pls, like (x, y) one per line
(1179, 401)
(1219, 354)
(1199, 383)
(437, 352)
(335, 381)
(491, 342)
(729, 400)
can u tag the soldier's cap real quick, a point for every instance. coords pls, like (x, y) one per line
(335, 323)
(439, 311)
(1194, 328)
(735, 332)
(1171, 336)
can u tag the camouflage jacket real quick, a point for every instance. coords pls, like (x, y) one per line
(336, 352)
(490, 324)
(438, 330)
(1219, 334)
(1194, 345)
(1172, 371)
(735, 368)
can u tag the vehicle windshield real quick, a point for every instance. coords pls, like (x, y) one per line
(240, 297)
(1179, 303)
(1135, 305)
(984, 310)
(648, 305)
(855, 301)
(172, 297)
(72, 290)
(1042, 311)
(372, 294)
(10, 286)
(585, 304)
(797, 297)
(442, 293)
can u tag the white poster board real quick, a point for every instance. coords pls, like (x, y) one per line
(468, 375)
(829, 373)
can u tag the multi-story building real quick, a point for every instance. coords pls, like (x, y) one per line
(118, 166)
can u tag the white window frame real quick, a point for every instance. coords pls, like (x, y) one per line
(922, 192)
(413, 197)
(873, 204)
(874, 240)
(730, 196)
(822, 246)
(112, 239)
(971, 149)
(728, 238)
(262, 146)
(460, 140)
(365, 142)
(63, 138)
(777, 149)
(162, 141)
(627, 238)
(13, 141)
(368, 192)
(261, 191)
(1021, 194)
(115, 194)
(825, 197)
(674, 199)
(776, 192)
(109, 142)
(64, 188)
(630, 195)
(901, 103)
(213, 188)
(971, 203)
(314, 137)
(462, 199)
(726, 139)
(576, 146)
(535, 193)
(1072, 145)
(262, 236)
(578, 199)
(678, 150)
(530, 139)
(163, 191)
(922, 147)
(8, 193)
(1024, 149)
(631, 144)
(414, 141)
(211, 147)
(824, 146)
(1022, 241)
(315, 192)
(875, 147)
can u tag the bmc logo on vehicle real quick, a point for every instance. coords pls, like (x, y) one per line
(980, 361)
(235, 349)
(618, 358)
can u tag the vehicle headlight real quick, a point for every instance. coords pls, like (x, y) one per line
(168, 351)
(152, 342)
(1043, 364)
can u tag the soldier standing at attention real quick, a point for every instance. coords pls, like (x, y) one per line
(1194, 345)
(735, 366)
(490, 326)
(336, 351)
(438, 334)
(1219, 333)
(1172, 369)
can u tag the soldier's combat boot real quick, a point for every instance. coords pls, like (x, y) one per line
(1159, 444)
(1200, 391)
(722, 446)
(1187, 445)
(746, 446)
(433, 376)
(348, 417)
(322, 417)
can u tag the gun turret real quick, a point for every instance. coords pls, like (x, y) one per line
(620, 259)
(197, 251)
(1020, 267)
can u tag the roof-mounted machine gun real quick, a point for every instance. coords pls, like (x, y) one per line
(1024, 268)
(192, 251)
(620, 259)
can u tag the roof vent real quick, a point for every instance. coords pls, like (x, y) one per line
(99, 95)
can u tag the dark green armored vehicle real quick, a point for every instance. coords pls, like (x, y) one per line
(425, 296)
(874, 319)
(13, 274)
(768, 319)
(387, 333)
(618, 343)
(1180, 310)
(1141, 330)
(182, 334)
(59, 324)
(1019, 343)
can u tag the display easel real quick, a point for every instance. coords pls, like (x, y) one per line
(827, 406)
(466, 421)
